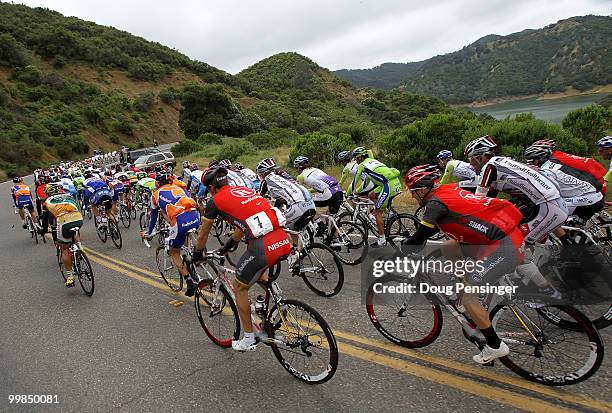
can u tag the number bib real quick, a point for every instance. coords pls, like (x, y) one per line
(260, 224)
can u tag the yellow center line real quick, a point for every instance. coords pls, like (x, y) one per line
(469, 386)
(451, 364)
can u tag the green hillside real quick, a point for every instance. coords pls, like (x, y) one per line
(570, 53)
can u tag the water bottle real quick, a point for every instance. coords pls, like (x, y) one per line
(259, 305)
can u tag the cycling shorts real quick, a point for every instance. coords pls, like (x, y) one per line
(262, 253)
(25, 201)
(585, 212)
(498, 258)
(295, 214)
(582, 201)
(102, 197)
(184, 223)
(550, 215)
(334, 203)
(386, 192)
(63, 232)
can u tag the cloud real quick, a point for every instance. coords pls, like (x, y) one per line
(234, 34)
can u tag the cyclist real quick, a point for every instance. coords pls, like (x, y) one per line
(480, 228)
(98, 194)
(63, 211)
(248, 174)
(525, 184)
(325, 190)
(605, 150)
(349, 171)
(186, 174)
(586, 169)
(456, 171)
(387, 184)
(260, 224)
(78, 179)
(22, 197)
(581, 198)
(180, 212)
(68, 185)
(233, 177)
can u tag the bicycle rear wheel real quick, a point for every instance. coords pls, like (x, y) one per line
(84, 272)
(321, 270)
(217, 313)
(303, 342)
(400, 227)
(408, 320)
(102, 232)
(548, 353)
(124, 215)
(351, 244)
(166, 268)
(115, 233)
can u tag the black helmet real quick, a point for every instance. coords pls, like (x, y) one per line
(17, 179)
(215, 176)
(162, 178)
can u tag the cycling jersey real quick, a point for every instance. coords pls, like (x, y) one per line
(386, 180)
(459, 171)
(78, 182)
(282, 186)
(98, 192)
(68, 186)
(235, 179)
(116, 188)
(349, 171)
(248, 174)
(569, 186)
(588, 165)
(22, 196)
(261, 224)
(470, 218)
(517, 179)
(323, 186)
(147, 183)
(65, 210)
(173, 201)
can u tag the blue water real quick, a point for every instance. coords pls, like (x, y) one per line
(553, 110)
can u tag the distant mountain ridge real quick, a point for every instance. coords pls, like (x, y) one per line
(574, 52)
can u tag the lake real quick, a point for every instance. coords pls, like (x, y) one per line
(551, 110)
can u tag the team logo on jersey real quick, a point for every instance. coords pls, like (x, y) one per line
(242, 192)
(478, 227)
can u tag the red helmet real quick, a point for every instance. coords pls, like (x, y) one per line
(422, 176)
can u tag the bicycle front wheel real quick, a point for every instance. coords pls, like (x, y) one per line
(124, 215)
(166, 268)
(321, 270)
(84, 272)
(408, 320)
(303, 342)
(543, 351)
(400, 227)
(102, 232)
(351, 243)
(217, 313)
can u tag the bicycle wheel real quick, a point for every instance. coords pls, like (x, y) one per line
(217, 313)
(548, 353)
(88, 213)
(115, 233)
(303, 342)
(400, 227)
(408, 320)
(166, 269)
(124, 216)
(84, 272)
(60, 263)
(102, 232)
(31, 228)
(351, 244)
(321, 270)
(132, 210)
(348, 217)
(143, 221)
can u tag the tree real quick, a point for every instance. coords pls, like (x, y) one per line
(589, 123)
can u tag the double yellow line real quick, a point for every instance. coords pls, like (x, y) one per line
(471, 379)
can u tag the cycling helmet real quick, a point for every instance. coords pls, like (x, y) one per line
(162, 178)
(17, 179)
(301, 162)
(52, 189)
(265, 165)
(605, 142)
(480, 146)
(549, 143)
(360, 151)
(445, 154)
(422, 176)
(87, 174)
(215, 176)
(225, 163)
(537, 153)
(185, 164)
(343, 156)
(43, 179)
(238, 166)
(213, 163)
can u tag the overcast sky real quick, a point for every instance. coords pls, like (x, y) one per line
(234, 34)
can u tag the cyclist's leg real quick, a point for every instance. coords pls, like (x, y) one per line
(551, 215)
(177, 237)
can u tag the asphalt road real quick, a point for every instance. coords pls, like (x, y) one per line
(133, 347)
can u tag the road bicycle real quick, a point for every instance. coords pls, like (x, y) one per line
(29, 222)
(554, 345)
(80, 264)
(301, 340)
(160, 225)
(359, 211)
(106, 227)
(347, 239)
(124, 214)
(163, 260)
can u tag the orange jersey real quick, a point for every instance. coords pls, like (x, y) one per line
(21, 190)
(173, 201)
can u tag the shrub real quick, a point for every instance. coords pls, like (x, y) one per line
(320, 148)
(209, 138)
(144, 102)
(12, 53)
(185, 147)
(589, 123)
(234, 148)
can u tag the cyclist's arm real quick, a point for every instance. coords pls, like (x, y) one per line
(300, 179)
(448, 174)
(434, 211)
(345, 174)
(14, 199)
(608, 177)
(153, 217)
(488, 176)
(355, 187)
